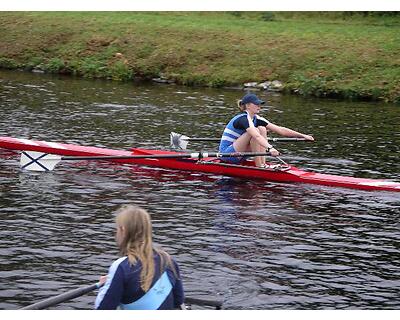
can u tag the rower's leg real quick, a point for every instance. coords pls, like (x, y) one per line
(246, 143)
(256, 147)
(242, 144)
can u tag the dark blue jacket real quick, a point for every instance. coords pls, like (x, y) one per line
(123, 285)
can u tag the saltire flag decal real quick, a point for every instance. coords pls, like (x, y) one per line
(38, 161)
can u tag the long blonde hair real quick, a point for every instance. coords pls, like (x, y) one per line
(241, 105)
(137, 243)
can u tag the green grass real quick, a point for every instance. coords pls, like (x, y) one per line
(329, 54)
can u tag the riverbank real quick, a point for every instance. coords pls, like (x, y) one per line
(324, 56)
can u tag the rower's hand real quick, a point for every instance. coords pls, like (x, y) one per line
(308, 137)
(102, 280)
(274, 152)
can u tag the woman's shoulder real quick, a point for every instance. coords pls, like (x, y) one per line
(239, 116)
(119, 262)
(259, 118)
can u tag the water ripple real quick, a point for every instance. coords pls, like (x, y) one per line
(252, 244)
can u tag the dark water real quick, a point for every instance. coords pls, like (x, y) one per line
(252, 244)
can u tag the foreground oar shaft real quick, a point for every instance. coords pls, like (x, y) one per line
(193, 155)
(38, 161)
(62, 298)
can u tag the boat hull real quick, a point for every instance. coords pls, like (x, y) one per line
(207, 165)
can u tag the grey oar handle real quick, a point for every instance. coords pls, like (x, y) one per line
(62, 298)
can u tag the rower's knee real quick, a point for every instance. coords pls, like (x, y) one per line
(263, 131)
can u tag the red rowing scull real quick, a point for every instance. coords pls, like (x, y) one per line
(288, 173)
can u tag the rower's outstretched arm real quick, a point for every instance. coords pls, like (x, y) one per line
(283, 131)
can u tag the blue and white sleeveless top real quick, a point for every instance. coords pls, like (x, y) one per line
(122, 289)
(238, 126)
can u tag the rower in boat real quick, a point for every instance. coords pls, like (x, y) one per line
(145, 278)
(247, 131)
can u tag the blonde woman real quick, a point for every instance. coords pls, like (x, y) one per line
(247, 131)
(144, 278)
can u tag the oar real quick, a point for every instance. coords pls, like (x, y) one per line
(181, 141)
(47, 303)
(38, 161)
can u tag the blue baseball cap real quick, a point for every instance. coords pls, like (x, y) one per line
(252, 98)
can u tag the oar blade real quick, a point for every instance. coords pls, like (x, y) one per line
(38, 161)
(179, 140)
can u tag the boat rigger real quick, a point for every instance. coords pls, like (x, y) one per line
(200, 162)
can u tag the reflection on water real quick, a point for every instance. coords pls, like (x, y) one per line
(253, 244)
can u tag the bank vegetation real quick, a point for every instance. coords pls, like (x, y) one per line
(340, 55)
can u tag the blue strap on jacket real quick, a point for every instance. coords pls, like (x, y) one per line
(153, 298)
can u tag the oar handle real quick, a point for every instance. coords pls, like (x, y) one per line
(287, 139)
(62, 298)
